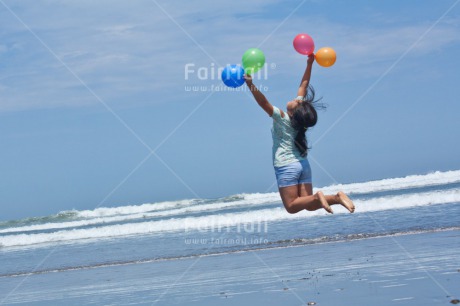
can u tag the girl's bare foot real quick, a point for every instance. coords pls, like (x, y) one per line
(346, 202)
(323, 202)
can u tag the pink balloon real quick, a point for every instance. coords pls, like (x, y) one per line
(303, 43)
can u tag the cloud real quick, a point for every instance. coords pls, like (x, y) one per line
(133, 49)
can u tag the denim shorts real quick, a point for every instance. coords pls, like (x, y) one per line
(295, 173)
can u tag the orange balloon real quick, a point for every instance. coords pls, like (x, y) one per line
(325, 57)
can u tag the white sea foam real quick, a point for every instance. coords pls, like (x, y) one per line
(131, 209)
(212, 208)
(169, 209)
(254, 217)
(411, 181)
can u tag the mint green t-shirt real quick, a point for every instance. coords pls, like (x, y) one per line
(283, 134)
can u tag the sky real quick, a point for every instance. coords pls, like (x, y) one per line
(96, 107)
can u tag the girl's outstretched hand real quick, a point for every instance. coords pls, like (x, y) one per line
(311, 59)
(248, 79)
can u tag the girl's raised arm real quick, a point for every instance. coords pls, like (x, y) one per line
(306, 77)
(260, 98)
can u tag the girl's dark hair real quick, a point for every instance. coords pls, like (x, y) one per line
(304, 117)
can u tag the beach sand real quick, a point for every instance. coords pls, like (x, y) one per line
(415, 269)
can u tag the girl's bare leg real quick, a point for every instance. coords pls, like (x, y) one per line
(295, 203)
(345, 201)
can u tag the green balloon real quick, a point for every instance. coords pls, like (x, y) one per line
(253, 60)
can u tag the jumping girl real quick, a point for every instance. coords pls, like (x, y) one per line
(292, 169)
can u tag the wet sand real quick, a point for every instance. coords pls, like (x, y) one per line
(416, 269)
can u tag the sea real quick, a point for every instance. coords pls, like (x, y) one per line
(171, 231)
